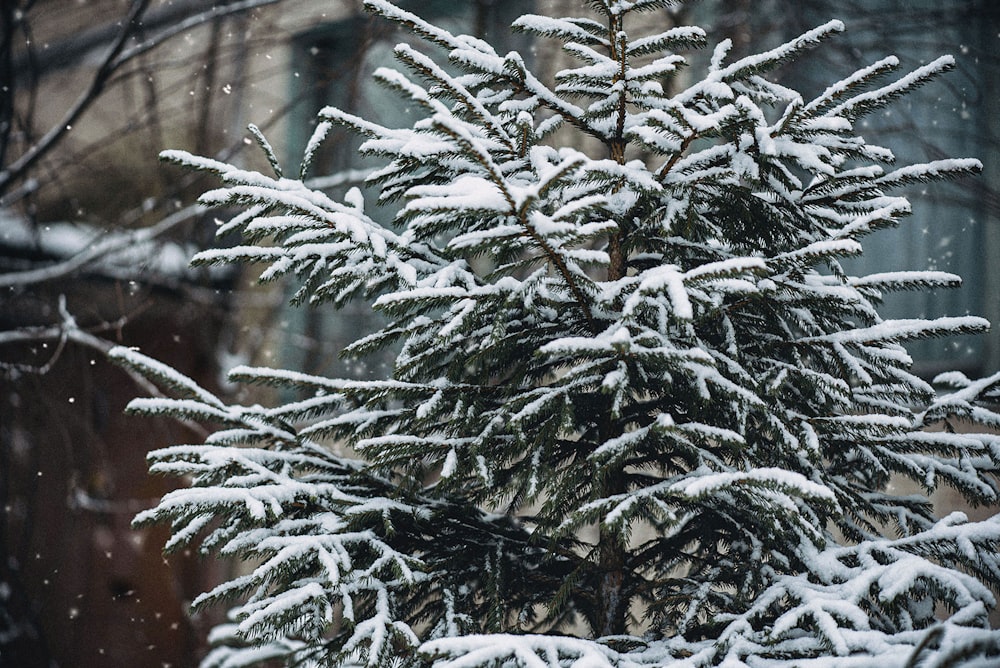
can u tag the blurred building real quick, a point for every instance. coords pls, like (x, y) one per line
(78, 587)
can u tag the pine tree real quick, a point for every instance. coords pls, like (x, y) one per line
(639, 412)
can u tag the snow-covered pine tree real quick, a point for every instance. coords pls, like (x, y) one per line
(639, 413)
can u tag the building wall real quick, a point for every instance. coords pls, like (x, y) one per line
(80, 587)
(195, 91)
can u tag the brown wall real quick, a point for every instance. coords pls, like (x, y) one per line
(85, 588)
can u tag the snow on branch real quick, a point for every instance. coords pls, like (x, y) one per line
(615, 390)
(760, 63)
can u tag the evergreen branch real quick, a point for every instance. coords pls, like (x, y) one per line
(416, 25)
(760, 63)
(865, 103)
(856, 80)
(266, 147)
(569, 30)
(521, 214)
(570, 113)
(665, 170)
(430, 70)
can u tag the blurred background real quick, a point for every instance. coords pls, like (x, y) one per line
(95, 234)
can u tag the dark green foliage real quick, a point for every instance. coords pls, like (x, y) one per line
(636, 397)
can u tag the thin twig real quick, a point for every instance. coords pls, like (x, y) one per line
(108, 66)
(69, 331)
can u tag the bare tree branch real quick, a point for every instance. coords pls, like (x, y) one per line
(109, 245)
(192, 22)
(117, 56)
(7, 70)
(70, 51)
(104, 72)
(69, 331)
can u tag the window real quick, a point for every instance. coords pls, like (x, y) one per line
(948, 229)
(953, 225)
